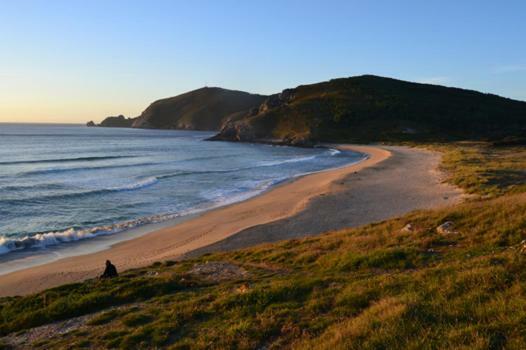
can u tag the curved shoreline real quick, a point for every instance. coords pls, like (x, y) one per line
(280, 202)
(408, 180)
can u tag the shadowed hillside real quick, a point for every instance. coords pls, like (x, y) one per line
(203, 109)
(370, 108)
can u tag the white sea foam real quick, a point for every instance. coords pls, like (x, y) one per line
(285, 161)
(331, 152)
(246, 190)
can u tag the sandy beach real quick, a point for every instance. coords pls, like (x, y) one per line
(407, 180)
(390, 182)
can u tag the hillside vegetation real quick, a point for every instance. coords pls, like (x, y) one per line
(370, 108)
(398, 284)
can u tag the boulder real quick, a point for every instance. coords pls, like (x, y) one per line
(447, 227)
(407, 228)
(235, 132)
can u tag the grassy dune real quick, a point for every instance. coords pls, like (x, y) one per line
(481, 168)
(382, 286)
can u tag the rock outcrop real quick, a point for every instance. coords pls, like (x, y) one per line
(446, 228)
(407, 228)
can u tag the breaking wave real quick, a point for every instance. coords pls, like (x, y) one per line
(331, 152)
(46, 239)
(128, 187)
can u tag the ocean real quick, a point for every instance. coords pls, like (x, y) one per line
(65, 183)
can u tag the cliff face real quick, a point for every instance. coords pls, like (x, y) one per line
(370, 108)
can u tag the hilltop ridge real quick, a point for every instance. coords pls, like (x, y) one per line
(365, 108)
(370, 108)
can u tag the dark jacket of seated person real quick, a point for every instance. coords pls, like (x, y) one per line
(110, 271)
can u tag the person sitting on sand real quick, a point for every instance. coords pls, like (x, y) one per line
(110, 271)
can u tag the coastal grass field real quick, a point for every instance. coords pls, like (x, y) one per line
(397, 284)
(485, 169)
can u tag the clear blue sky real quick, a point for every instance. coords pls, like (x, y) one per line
(78, 60)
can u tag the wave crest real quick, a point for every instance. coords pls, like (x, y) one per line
(76, 169)
(62, 160)
(127, 187)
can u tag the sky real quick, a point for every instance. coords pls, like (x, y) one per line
(74, 61)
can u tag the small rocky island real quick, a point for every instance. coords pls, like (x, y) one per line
(119, 121)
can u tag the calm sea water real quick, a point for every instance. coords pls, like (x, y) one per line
(63, 183)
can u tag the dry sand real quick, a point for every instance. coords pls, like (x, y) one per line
(408, 180)
(392, 181)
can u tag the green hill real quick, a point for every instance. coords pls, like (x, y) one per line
(207, 108)
(370, 108)
(358, 109)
